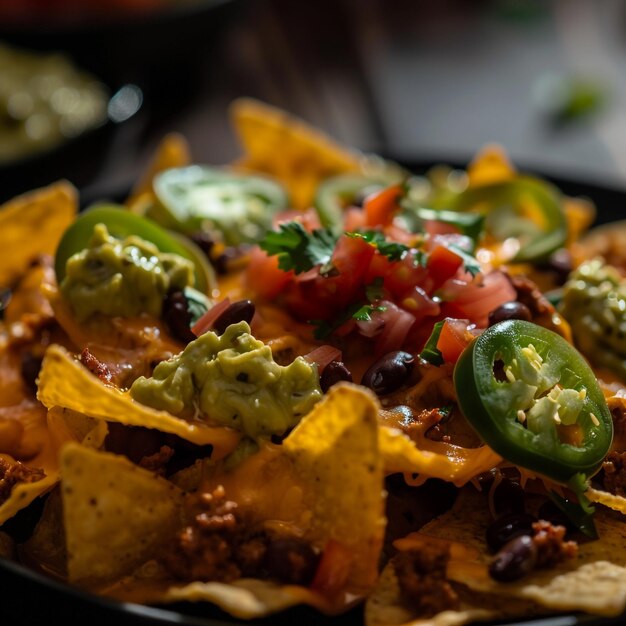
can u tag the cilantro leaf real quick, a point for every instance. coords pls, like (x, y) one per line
(364, 314)
(374, 291)
(299, 250)
(393, 250)
(431, 353)
(358, 311)
(470, 264)
(469, 224)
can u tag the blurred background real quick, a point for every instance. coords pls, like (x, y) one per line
(88, 87)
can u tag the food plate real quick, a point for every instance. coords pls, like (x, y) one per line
(218, 451)
(20, 586)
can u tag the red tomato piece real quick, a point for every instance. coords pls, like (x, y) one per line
(264, 277)
(333, 569)
(379, 208)
(443, 264)
(453, 339)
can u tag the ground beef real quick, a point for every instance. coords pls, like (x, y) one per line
(422, 578)
(204, 548)
(158, 461)
(12, 474)
(529, 294)
(541, 309)
(550, 544)
(217, 545)
(96, 367)
(614, 475)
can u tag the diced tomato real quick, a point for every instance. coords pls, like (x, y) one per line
(443, 264)
(353, 219)
(398, 323)
(322, 356)
(309, 219)
(479, 298)
(333, 570)
(417, 302)
(205, 322)
(404, 275)
(379, 208)
(264, 277)
(453, 339)
(312, 296)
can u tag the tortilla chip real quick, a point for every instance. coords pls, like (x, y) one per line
(326, 480)
(67, 425)
(117, 515)
(337, 444)
(400, 454)
(490, 165)
(32, 224)
(289, 149)
(594, 581)
(172, 151)
(23, 494)
(386, 607)
(61, 376)
(244, 599)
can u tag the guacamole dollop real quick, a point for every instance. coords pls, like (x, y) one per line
(594, 303)
(232, 380)
(124, 277)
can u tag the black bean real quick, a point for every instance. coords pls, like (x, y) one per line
(241, 311)
(333, 373)
(508, 498)
(510, 311)
(291, 560)
(177, 316)
(516, 559)
(204, 241)
(389, 372)
(507, 527)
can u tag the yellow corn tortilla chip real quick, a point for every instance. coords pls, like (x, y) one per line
(116, 514)
(244, 599)
(490, 165)
(289, 149)
(386, 607)
(32, 224)
(172, 151)
(67, 425)
(23, 494)
(400, 454)
(335, 451)
(66, 383)
(594, 581)
(327, 481)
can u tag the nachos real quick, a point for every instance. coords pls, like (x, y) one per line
(310, 377)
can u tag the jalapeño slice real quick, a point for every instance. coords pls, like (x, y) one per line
(534, 399)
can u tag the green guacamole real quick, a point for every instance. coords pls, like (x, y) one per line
(232, 380)
(124, 277)
(594, 303)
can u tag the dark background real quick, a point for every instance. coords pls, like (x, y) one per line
(422, 80)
